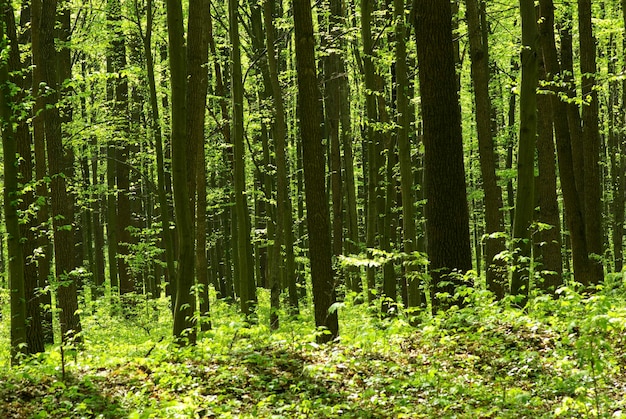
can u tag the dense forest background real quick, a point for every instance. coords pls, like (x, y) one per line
(175, 164)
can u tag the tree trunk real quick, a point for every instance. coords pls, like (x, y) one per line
(247, 287)
(44, 263)
(524, 198)
(549, 230)
(60, 168)
(284, 233)
(17, 291)
(23, 139)
(373, 141)
(497, 273)
(197, 85)
(447, 215)
(567, 174)
(184, 308)
(322, 275)
(166, 232)
(591, 144)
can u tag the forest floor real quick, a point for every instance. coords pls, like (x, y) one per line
(563, 357)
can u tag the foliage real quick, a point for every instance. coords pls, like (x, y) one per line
(563, 357)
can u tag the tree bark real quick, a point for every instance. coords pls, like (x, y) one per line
(318, 218)
(591, 144)
(60, 167)
(524, 198)
(497, 272)
(447, 215)
(571, 195)
(184, 308)
(284, 232)
(549, 231)
(247, 288)
(17, 289)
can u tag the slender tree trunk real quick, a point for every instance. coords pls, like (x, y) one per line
(166, 232)
(247, 287)
(16, 261)
(409, 231)
(567, 173)
(447, 215)
(524, 199)
(284, 232)
(372, 139)
(497, 273)
(318, 219)
(22, 137)
(44, 263)
(184, 308)
(573, 112)
(591, 144)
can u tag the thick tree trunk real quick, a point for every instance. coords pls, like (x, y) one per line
(318, 218)
(197, 85)
(60, 168)
(447, 216)
(549, 233)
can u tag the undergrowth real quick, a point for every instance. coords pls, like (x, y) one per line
(560, 357)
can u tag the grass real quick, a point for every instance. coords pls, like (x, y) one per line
(561, 357)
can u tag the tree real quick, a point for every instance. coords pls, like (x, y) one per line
(184, 305)
(318, 218)
(497, 274)
(11, 191)
(591, 143)
(197, 84)
(568, 171)
(409, 231)
(447, 215)
(26, 197)
(245, 271)
(548, 233)
(524, 198)
(166, 233)
(60, 164)
(284, 233)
